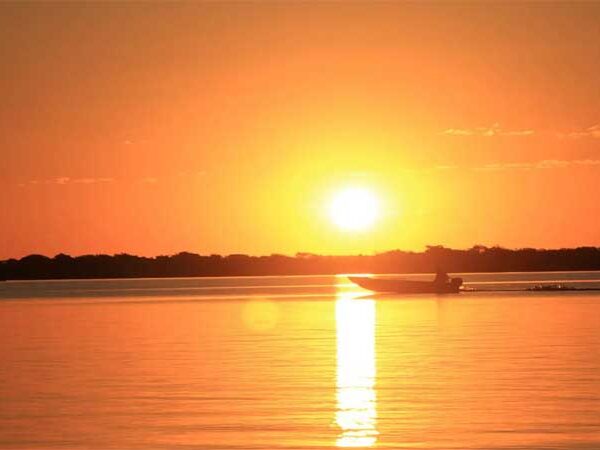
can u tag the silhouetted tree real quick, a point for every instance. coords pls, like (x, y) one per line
(476, 259)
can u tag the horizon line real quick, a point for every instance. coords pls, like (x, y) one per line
(302, 254)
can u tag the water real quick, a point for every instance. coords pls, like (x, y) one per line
(298, 362)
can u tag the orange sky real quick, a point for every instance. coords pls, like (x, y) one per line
(222, 128)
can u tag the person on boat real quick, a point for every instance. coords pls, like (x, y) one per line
(441, 277)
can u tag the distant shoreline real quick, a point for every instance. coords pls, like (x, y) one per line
(287, 275)
(478, 259)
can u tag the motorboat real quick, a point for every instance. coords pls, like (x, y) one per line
(401, 286)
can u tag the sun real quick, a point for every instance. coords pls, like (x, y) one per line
(354, 209)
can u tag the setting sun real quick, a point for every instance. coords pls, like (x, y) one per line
(354, 209)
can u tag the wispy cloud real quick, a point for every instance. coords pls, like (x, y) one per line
(544, 164)
(446, 167)
(91, 180)
(494, 130)
(68, 180)
(131, 141)
(505, 166)
(590, 132)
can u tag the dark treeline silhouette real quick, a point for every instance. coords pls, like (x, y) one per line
(475, 259)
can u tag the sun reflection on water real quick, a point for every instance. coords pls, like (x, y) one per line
(356, 370)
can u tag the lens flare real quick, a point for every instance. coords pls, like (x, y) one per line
(260, 315)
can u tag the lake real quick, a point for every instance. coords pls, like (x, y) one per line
(299, 362)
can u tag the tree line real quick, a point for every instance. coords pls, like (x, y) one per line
(476, 259)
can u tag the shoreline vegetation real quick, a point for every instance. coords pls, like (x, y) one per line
(476, 259)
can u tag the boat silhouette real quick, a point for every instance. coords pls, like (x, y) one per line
(400, 286)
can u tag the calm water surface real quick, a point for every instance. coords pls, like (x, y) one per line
(298, 362)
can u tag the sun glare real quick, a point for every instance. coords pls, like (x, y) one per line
(354, 209)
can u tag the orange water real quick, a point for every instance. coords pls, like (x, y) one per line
(296, 362)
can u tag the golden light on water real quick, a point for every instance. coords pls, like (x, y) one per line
(356, 370)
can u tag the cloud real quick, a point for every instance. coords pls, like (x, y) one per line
(590, 132)
(61, 180)
(68, 180)
(544, 164)
(131, 141)
(92, 180)
(504, 166)
(446, 167)
(494, 130)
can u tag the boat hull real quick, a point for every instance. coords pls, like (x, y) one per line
(407, 287)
